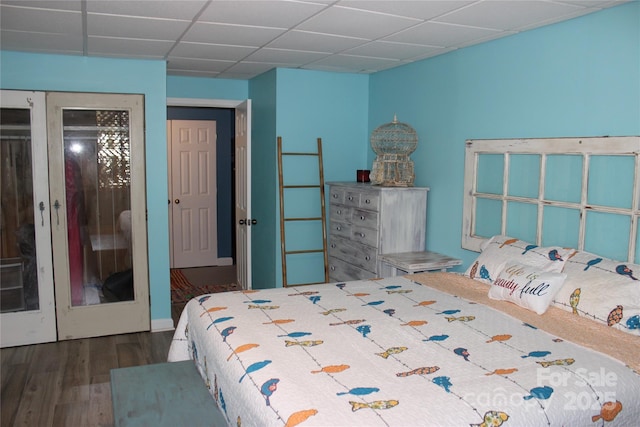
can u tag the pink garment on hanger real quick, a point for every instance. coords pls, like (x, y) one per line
(74, 205)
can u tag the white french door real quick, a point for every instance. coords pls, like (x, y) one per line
(26, 282)
(98, 222)
(243, 194)
(192, 180)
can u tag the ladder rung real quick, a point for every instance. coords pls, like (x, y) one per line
(301, 186)
(303, 219)
(300, 154)
(304, 251)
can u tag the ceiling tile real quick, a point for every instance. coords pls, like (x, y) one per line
(175, 62)
(413, 9)
(438, 34)
(506, 15)
(356, 23)
(40, 20)
(41, 42)
(252, 68)
(137, 28)
(304, 40)
(211, 51)
(129, 47)
(264, 13)
(170, 9)
(236, 35)
(285, 56)
(47, 4)
(399, 51)
(355, 63)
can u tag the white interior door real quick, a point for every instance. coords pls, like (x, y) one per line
(194, 239)
(28, 311)
(98, 219)
(243, 194)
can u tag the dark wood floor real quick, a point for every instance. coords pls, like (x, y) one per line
(67, 383)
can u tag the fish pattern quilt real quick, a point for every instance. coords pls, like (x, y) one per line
(392, 352)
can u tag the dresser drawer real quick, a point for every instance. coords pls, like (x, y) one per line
(340, 271)
(363, 218)
(367, 236)
(339, 228)
(336, 195)
(358, 254)
(339, 212)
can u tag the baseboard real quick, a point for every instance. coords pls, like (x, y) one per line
(161, 325)
(224, 261)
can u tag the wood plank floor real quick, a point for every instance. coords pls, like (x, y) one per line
(67, 383)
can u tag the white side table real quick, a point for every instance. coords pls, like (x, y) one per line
(416, 262)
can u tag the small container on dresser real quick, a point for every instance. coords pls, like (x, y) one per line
(366, 221)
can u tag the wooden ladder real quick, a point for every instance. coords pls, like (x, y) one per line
(284, 219)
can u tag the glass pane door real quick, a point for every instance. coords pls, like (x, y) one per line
(97, 176)
(98, 205)
(27, 311)
(18, 269)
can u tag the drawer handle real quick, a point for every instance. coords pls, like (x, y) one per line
(361, 234)
(362, 217)
(333, 245)
(339, 211)
(333, 268)
(367, 201)
(350, 197)
(367, 258)
(335, 196)
(338, 228)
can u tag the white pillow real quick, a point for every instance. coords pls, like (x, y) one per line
(601, 289)
(502, 249)
(527, 286)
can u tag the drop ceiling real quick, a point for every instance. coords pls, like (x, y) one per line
(239, 39)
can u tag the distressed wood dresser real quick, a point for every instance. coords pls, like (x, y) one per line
(366, 221)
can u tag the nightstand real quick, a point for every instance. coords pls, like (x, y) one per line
(415, 262)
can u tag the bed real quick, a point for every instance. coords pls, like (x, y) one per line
(427, 349)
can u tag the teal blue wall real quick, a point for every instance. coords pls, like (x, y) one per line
(576, 78)
(262, 91)
(312, 105)
(83, 74)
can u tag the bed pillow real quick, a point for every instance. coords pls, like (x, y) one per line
(502, 249)
(601, 289)
(526, 286)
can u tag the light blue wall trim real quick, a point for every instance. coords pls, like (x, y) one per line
(576, 78)
(83, 74)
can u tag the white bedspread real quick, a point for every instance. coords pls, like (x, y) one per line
(393, 352)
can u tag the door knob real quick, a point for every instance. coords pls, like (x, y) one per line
(254, 221)
(176, 201)
(241, 222)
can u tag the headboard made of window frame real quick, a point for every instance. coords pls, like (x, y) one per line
(582, 193)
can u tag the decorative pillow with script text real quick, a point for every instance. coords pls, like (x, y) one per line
(527, 286)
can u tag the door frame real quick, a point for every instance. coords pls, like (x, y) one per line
(210, 103)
